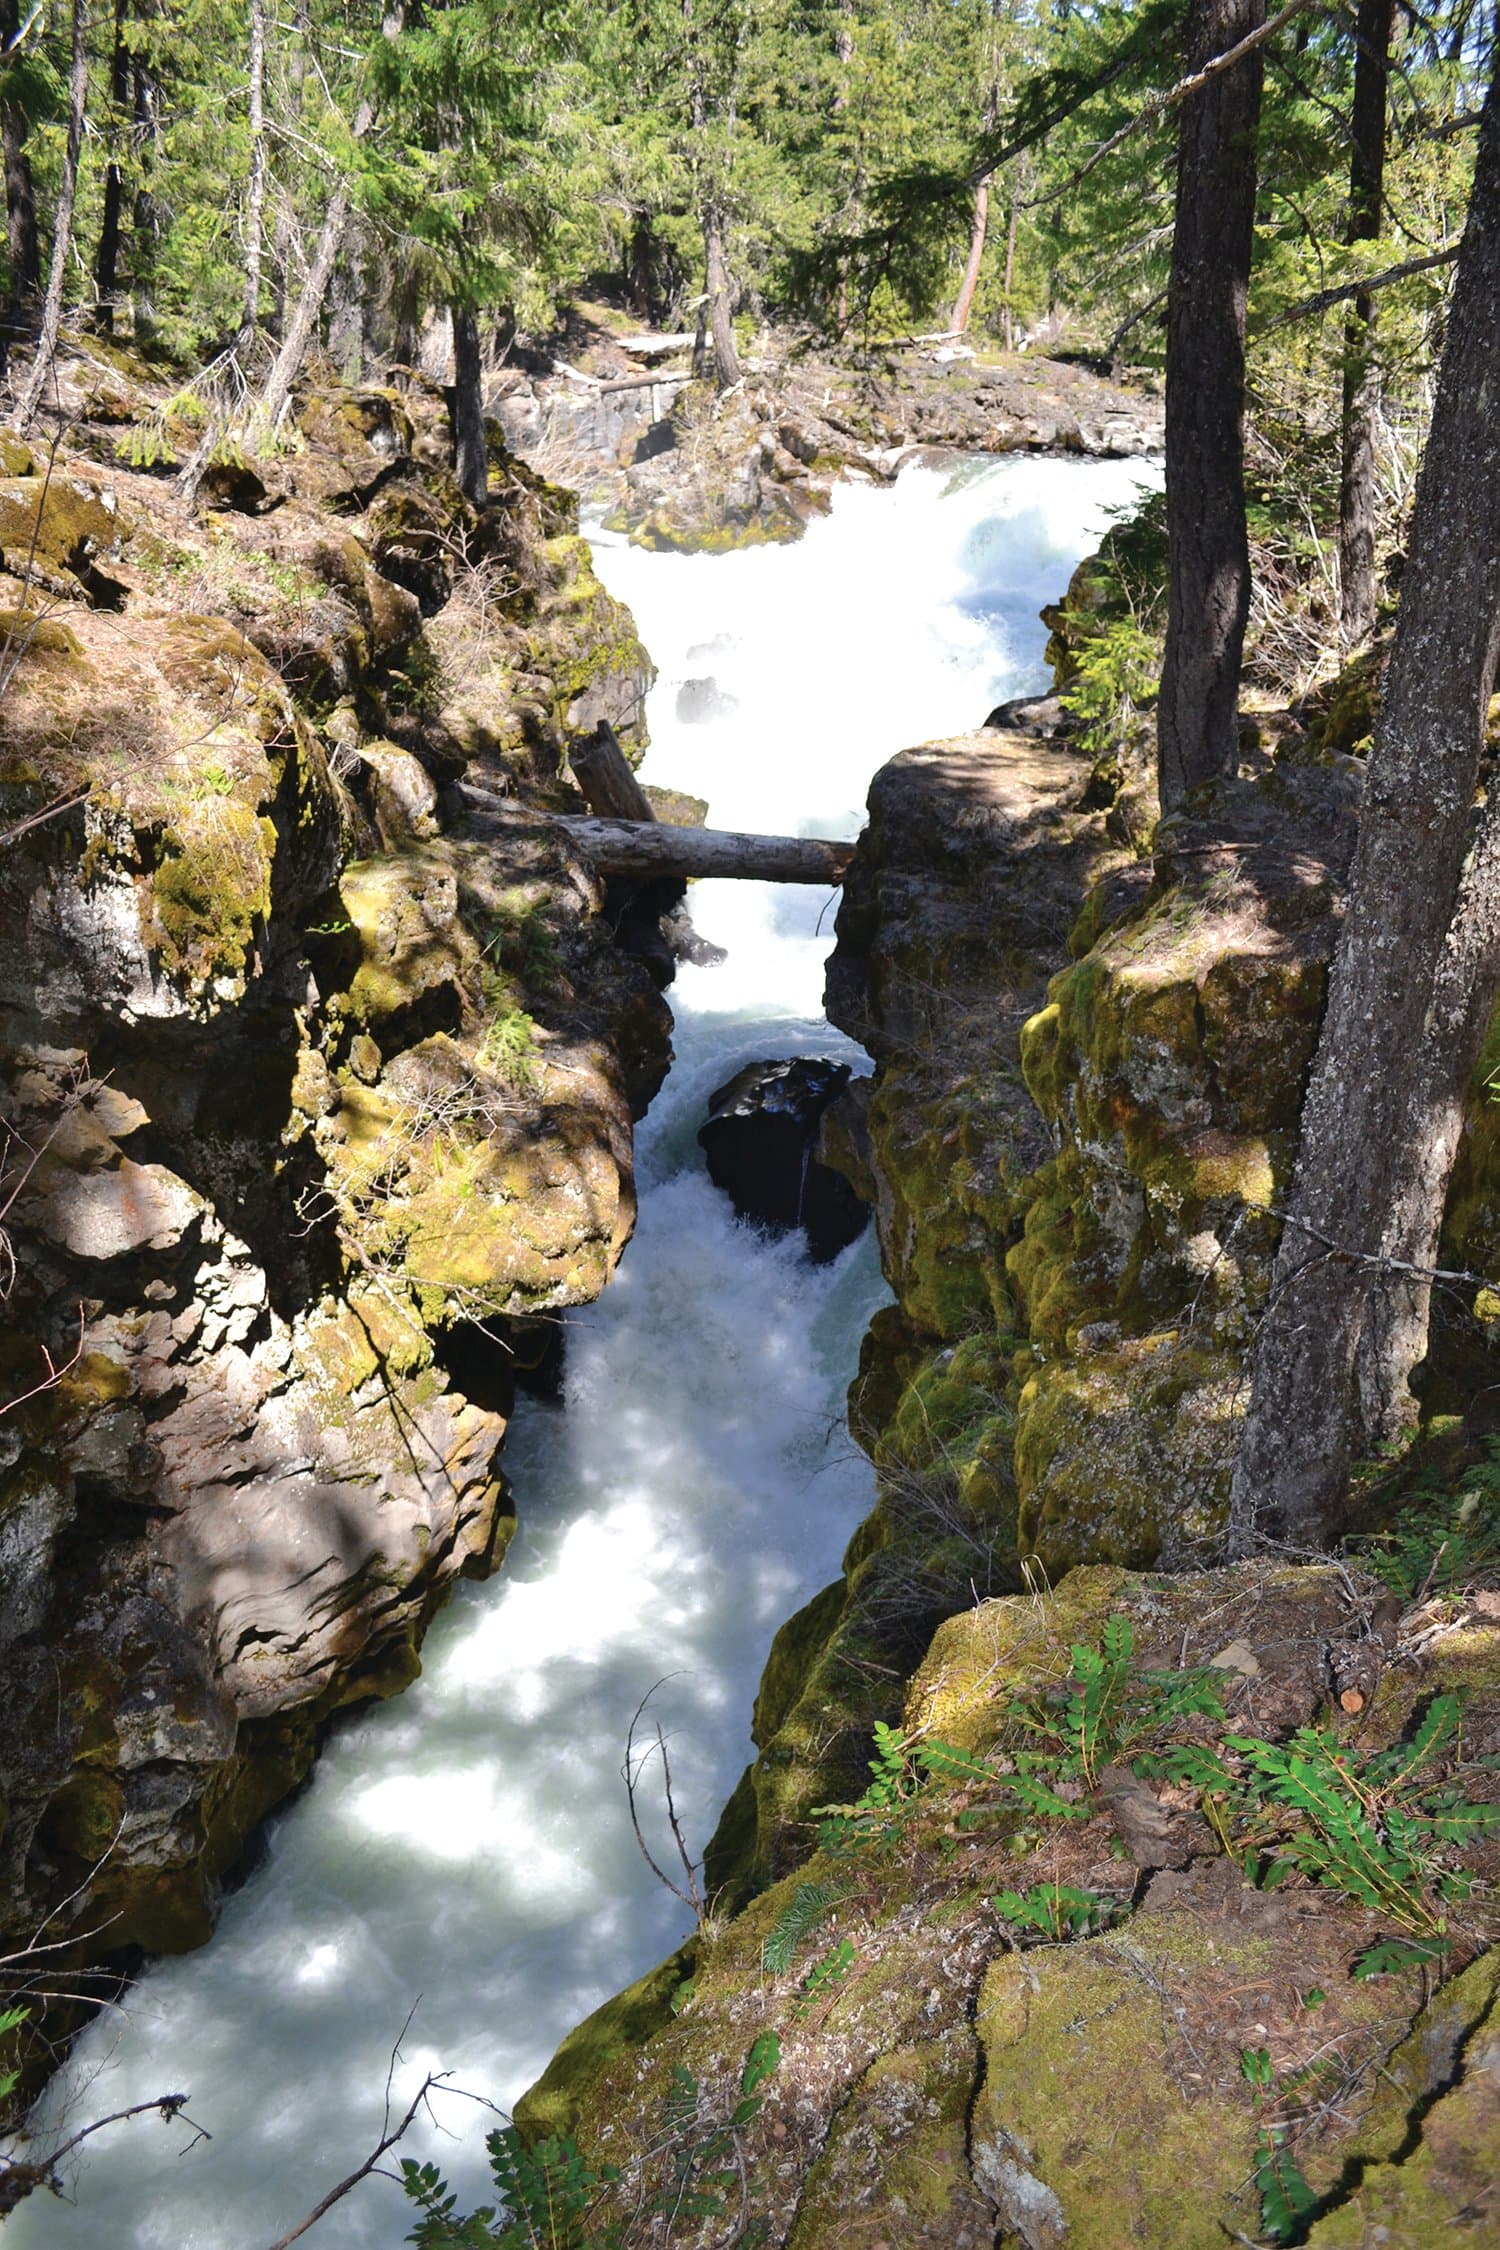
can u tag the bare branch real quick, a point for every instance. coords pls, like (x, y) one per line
(1324, 299)
(630, 1773)
(389, 2137)
(18, 2181)
(1160, 104)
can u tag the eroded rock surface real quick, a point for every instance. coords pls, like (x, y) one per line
(945, 2078)
(319, 1076)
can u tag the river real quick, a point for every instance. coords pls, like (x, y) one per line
(465, 1851)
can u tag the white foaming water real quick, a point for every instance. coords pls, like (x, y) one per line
(467, 1848)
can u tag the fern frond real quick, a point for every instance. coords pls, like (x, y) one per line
(807, 1910)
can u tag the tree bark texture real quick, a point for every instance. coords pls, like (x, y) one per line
(470, 459)
(1415, 976)
(145, 218)
(1208, 593)
(603, 773)
(720, 302)
(1361, 369)
(62, 238)
(107, 262)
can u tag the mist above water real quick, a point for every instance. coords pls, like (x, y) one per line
(466, 1849)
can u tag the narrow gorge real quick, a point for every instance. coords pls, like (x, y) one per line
(399, 1041)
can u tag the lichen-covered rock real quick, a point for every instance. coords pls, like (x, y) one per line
(310, 1078)
(942, 2078)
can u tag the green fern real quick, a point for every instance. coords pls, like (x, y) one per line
(702, 2155)
(808, 1909)
(11, 2019)
(878, 1812)
(1378, 1826)
(1107, 1710)
(1391, 1955)
(1445, 1541)
(825, 1976)
(547, 2196)
(1286, 2199)
(1055, 1911)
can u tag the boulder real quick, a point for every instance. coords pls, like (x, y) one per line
(761, 1141)
(700, 701)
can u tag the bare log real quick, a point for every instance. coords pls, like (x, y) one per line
(602, 771)
(651, 848)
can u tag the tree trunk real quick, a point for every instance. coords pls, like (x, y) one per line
(843, 49)
(603, 773)
(642, 259)
(287, 364)
(1010, 266)
(1208, 579)
(652, 848)
(255, 190)
(470, 458)
(344, 331)
(716, 282)
(1415, 977)
(20, 207)
(1361, 371)
(144, 217)
(107, 263)
(963, 303)
(62, 237)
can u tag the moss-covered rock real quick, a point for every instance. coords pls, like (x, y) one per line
(941, 2081)
(297, 1141)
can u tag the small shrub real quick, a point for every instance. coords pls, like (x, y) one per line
(509, 1047)
(1115, 670)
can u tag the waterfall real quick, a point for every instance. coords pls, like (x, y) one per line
(466, 1849)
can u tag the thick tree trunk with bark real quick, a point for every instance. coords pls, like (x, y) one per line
(1415, 977)
(1208, 594)
(470, 459)
(602, 771)
(1361, 371)
(107, 262)
(720, 300)
(62, 238)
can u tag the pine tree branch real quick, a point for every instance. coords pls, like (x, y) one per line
(1159, 106)
(1324, 299)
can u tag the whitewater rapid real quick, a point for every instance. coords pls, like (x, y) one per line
(465, 1851)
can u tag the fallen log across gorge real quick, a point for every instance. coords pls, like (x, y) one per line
(652, 848)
